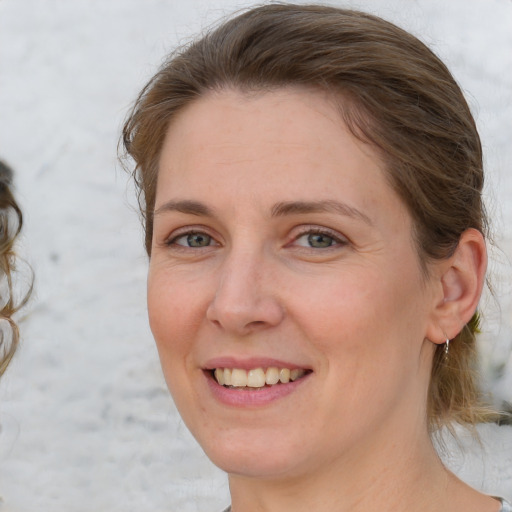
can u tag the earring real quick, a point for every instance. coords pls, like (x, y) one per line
(446, 347)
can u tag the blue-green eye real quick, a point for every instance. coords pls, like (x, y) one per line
(320, 240)
(317, 240)
(193, 240)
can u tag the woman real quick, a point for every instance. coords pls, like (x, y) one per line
(310, 180)
(11, 220)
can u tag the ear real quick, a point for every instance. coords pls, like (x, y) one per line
(460, 280)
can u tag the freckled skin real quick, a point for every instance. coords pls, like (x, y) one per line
(357, 312)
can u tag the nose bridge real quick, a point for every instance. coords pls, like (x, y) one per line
(240, 269)
(245, 296)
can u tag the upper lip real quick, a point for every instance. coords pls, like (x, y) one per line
(251, 363)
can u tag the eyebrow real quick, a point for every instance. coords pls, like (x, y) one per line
(186, 206)
(329, 206)
(281, 209)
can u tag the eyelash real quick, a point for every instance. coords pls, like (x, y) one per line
(338, 240)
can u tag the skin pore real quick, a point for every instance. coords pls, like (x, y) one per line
(278, 243)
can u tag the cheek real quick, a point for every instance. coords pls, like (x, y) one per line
(174, 311)
(338, 306)
(173, 320)
(361, 319)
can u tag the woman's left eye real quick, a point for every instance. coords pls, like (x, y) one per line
(318, 240)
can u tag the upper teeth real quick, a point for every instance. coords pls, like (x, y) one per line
(257, 377)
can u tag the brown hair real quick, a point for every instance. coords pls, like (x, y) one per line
(11, 221)
(395, 94)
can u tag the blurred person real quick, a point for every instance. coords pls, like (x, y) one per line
(310, 180)
(11, 222)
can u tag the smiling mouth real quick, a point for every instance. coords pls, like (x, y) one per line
(256, 378)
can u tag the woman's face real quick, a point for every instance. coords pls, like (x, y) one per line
(280, 252)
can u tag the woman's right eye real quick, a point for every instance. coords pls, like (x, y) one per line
(192, 240)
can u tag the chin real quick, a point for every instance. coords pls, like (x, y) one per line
(252, 454)
(262, 466)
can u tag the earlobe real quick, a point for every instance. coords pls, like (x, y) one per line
(461, 277)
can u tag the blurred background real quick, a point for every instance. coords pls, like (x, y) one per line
(86, 420)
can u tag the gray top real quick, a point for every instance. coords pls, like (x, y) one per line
(505, 506)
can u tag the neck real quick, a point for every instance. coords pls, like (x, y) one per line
(405, 475)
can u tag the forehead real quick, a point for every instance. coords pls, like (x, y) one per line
(232, 106)
(291, 135)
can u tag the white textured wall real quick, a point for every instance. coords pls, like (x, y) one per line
(87, 423)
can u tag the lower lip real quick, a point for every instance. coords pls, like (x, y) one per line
(252, 397)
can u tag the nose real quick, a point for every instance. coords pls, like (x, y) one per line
(246, 298)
